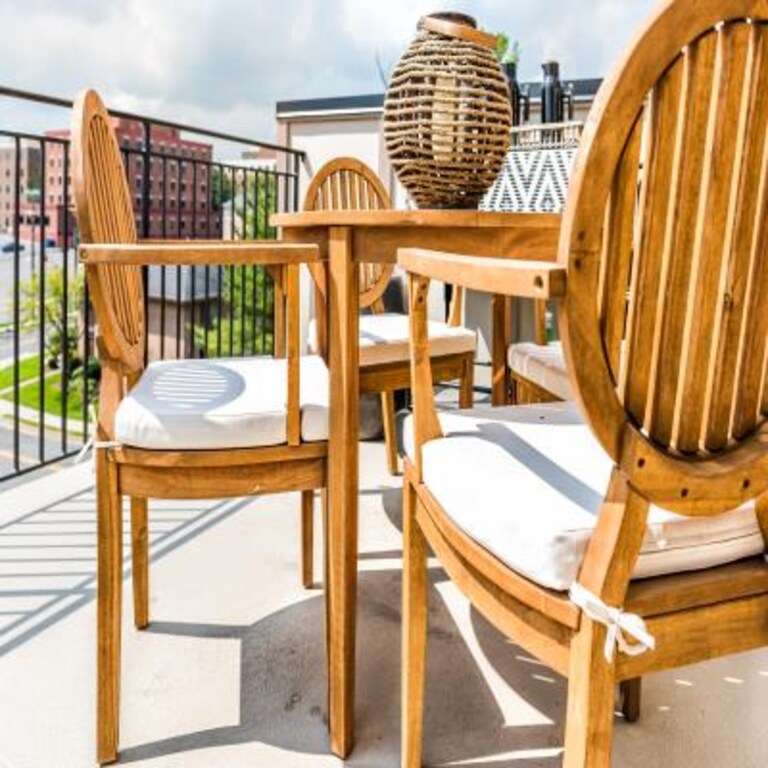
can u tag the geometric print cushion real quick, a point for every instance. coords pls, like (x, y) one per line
(532, 180)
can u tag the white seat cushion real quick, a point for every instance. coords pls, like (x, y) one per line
(221, 403)
(526, 482)
(384, 338)
(543, 364)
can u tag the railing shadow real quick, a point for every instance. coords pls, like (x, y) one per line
(48, 557)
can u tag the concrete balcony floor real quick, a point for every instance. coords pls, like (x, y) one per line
(231, 672)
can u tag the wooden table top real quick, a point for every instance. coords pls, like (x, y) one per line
(422, 218)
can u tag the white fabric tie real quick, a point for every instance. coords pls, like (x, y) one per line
(92, 443)
(617, 622)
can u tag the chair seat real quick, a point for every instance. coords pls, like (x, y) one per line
(526, 483)
(384, 339)
(221, 403)
(543, 364)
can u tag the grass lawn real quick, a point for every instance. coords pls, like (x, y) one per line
(29, 395)
(29, 368)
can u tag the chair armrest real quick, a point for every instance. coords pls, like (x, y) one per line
(511, 277)
(191, 253)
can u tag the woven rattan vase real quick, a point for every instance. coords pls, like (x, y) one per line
(447, 114)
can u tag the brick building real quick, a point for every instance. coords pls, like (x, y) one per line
(28, 180)
(179, 194)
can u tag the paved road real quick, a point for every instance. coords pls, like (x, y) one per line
(29, 449)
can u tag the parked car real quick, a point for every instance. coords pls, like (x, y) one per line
(11, 247)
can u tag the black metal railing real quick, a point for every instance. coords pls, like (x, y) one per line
(180, 189)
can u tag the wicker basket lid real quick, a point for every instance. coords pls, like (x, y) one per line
(458, 26)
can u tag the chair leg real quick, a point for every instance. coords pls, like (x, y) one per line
(631, 696)
(414, 630)
(467, 384)
(390, 436)
(591, 694)
(108, 607)
(326, 591)
(140, 561)
(513, 398)
(307, 537)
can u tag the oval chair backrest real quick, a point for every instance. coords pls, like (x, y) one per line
(347, 184)
(665, 237)
(105, 215)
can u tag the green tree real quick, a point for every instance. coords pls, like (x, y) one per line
(221, 187)
(53, 314)
(246, 322)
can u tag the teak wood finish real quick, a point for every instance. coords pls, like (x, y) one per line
(664, 328)
(340, 235)
(113, 257)
(347, 184)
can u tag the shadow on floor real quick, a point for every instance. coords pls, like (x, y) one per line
(283, 686)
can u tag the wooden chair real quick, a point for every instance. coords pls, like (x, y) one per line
(624, 533)
(534, 179)
(178, 429)
(348, 184)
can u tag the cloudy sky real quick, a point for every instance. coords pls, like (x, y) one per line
(224, 63)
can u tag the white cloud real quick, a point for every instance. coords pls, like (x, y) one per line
(224, 63)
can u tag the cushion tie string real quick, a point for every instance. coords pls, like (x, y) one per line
(92, 444)
(95, 445)
(617, 622)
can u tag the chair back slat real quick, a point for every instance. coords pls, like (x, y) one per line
(617, 261)
(684, 200)
(712, 253)
(644, 301)
(741, 353)
(668, 229)
(346, 184)
(105, 215)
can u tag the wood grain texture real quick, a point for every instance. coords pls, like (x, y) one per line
(112, 259)
(501, 336)
(387, 377)
(500, 276)
(346, 184)
(192, 253)
(343, 355)
(691, 338)
(140, 561)
(742, 241)
(414, 627)
(109, 583)
(426, 425)
(665, 242)
(307, 535)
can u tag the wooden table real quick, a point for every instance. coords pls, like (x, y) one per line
(345, 237)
